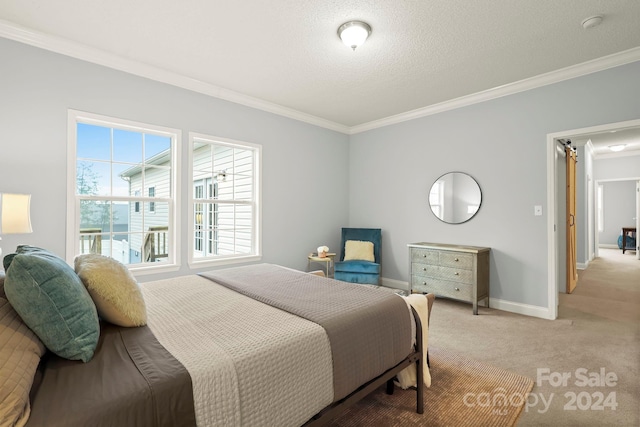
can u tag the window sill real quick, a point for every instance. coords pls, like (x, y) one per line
(224, 261)
(153, 269)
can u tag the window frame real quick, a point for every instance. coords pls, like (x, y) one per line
(219, 260)
(73, 201)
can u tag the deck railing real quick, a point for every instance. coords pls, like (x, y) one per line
(155, 244)
(90, 240)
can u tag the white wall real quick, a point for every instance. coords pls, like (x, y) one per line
(619, 210)
(37, 87)
(618, 175)
(617, 167)
(502, 144)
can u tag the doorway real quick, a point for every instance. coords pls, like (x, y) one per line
(556, 201)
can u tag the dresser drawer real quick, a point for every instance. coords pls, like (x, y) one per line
(427, 256)
(456, 259)
(445, 273)
(442, 288)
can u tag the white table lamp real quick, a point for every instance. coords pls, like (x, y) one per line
(15, 214)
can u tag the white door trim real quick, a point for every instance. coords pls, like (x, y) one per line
(552, 238)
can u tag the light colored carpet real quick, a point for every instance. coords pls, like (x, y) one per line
(598, 327)
(464, 393)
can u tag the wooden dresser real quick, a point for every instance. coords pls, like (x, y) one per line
(451, 271)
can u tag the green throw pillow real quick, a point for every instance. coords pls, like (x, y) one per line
(53, 302)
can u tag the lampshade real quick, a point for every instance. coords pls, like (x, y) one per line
(15, 213)
(354, 33)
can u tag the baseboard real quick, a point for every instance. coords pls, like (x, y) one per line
(395, 284)
(582, 265)
(499, 304)
(520, 308)
(608, 246)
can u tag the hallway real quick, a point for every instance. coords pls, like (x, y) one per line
(608, 288)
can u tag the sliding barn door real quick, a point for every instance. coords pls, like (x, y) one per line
(572, 251)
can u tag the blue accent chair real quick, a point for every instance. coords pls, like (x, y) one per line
(358, 271)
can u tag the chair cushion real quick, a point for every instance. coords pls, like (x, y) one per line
(365, 267)
(361, 278)
(50, 298)
(358, 250)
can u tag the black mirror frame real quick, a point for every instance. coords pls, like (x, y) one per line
(479, 204)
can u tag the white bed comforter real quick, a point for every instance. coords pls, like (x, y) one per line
(250, 364)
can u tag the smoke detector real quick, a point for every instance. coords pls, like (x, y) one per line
(591, 22)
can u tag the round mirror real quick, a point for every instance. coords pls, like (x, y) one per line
(455, 197)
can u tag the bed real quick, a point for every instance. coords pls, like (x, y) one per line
(255, 345)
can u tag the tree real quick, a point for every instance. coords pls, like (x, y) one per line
(93, 213)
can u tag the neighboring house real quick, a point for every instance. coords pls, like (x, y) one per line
(147, 216)
(218, 229)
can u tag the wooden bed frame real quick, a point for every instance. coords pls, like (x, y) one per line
(334, 410)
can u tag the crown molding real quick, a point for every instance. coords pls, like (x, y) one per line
(595, 65)
(612, 155)
(59, 45)
(22, 34)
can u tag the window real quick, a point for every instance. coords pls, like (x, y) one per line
(225, 209)
(152, 194)
(108, 212)
(136, 208)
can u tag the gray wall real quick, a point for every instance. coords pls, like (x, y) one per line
(380, 178)
(37, 87)
(501, 143)
(619, 210)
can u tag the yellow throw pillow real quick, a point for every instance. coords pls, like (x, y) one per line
(114, 290)
(358, 250)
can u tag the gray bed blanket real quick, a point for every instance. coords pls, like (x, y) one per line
(369, 330)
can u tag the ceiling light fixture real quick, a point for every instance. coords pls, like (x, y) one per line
(591, 22)
(617, 147)
(354, 33)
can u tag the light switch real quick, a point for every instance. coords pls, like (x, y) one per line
(537, 210)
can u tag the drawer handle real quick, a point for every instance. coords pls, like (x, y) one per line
(456, 260)
(424, 268)
(456, 273)
(457, 289)
(424, 283)
(424, 255)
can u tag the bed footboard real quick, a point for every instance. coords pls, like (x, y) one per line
(335, 409)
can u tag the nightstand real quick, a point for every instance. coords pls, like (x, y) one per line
(327, 261)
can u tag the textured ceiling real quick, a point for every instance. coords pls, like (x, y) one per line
(287, 52)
